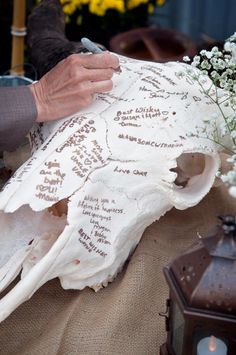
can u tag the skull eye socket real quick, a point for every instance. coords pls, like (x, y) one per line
(188, 165)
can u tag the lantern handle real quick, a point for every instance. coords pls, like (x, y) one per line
(165, 314)
(225, 245)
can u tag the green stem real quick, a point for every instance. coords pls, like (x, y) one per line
(216, 101)
(227, 98)
(220, 144)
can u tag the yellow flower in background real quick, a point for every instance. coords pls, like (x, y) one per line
(69, 9)
(96, 7)
(83, 2)
(100, 7)
(131, 4)
(160, 2)
(75, 3)
(151, 8)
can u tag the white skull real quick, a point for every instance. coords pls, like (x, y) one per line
(115, 165)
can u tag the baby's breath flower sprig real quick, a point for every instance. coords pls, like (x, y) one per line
(220, 67)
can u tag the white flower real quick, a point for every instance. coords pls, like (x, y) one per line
(196, 60)
(215, 50)
(208, 55)
(205, 65)
(215, 75)
(232, 191)
(186, 58)
(203, 52)
(227, 46)
(233, 134)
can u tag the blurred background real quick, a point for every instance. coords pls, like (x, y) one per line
(213, 18)
(203, 22)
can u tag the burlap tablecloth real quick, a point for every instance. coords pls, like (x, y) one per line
(122, 318)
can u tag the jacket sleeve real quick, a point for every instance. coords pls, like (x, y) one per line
(46, 39)
(18, 113)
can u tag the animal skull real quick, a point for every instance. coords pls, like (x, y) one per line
(78, 207)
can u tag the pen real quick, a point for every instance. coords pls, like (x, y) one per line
(93, 48)
(90, 46)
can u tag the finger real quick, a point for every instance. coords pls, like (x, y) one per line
(93, 87)
(95, 74)
(102, 86)
(100, 61)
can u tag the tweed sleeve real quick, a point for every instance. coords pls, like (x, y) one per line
(18, 113)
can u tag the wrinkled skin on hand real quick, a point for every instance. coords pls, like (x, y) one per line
(71, 84)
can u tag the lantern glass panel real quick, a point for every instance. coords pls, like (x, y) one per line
(177, 328)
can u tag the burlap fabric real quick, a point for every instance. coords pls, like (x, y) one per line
(122, 318)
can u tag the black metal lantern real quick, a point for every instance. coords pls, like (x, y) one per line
(201, 315)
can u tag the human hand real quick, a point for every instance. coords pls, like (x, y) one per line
(71, 84)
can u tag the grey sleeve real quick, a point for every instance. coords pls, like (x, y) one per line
(18, 113)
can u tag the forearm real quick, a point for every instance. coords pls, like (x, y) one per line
(18, 113)
(47, 43)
